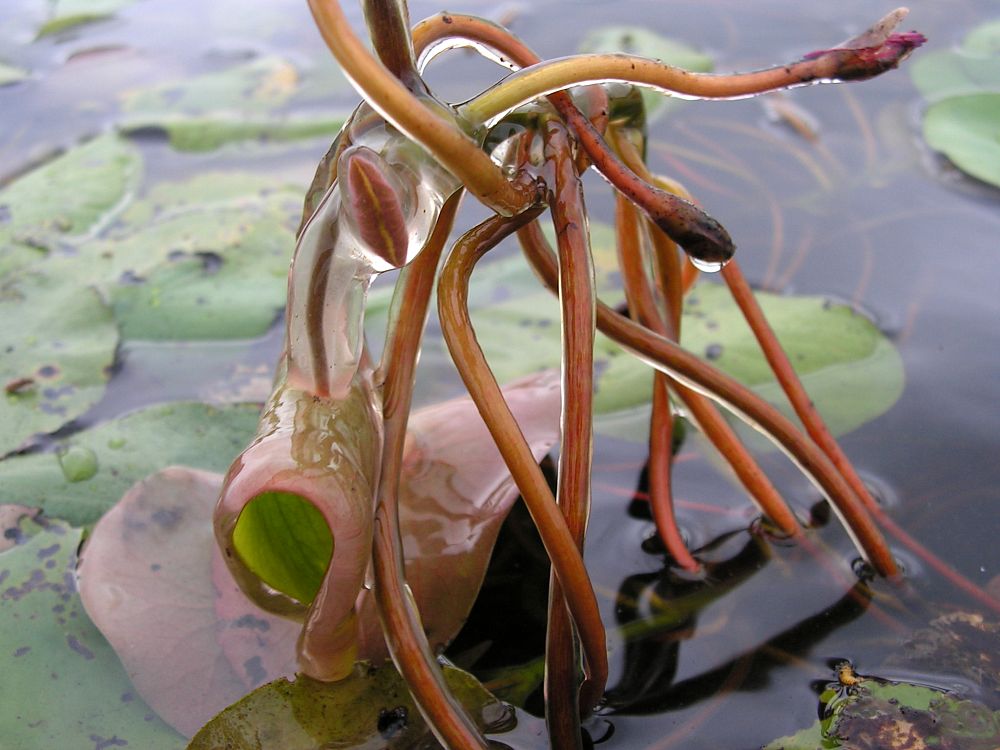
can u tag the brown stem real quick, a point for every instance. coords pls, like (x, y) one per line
(389, 27)
(417, 119)
(642, 308)
(700, 409)
(456, 325)
(397, 611)
(811, 419)
(842, 64)
(685, 367)
(576, 296)
(700, 235)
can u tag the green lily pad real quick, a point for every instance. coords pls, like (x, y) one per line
(371, 708)
(69, 196)
(9, 74)
(125, 451)
(852, 372)
(62, 684)
(257, 85)
(966, 129)
(68, 14)
(238, 104)
(234, 290)
(637, 40)
(881, 715)
(58, 346)
(200, 259)
(206, 134)
(984, 40)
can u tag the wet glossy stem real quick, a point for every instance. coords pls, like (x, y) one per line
(419, 122)
(694, 373)
(456, 325)
(576, 70)
(397, 612)
(701, 410)
(818, 431)
(642, 308)
(576, 297)
(700, 234)
(389, 26)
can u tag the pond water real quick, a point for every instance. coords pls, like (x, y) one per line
(863, 213)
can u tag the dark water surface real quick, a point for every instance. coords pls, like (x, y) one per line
(866, 214)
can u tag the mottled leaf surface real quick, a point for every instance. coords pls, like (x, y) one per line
(63, 685)
(371, 708)
(59, 344)
(882, 715)
(125, 451)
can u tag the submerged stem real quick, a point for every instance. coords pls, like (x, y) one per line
(692, 372)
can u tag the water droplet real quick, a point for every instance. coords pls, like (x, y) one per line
(78, 463)
(116, 443)
(707, 266)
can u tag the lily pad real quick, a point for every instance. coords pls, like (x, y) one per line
(371, 708)
(638, 40)
(961, 643)
(200, 259)
(70, 196)
(9, 74)
(62, 684)
(852, 372)
(974, 67)
(966, 129)
(206, 134)
(59, 343)
(880, 715)
(68, 14)
(241, 103)
(257, 85)
(126, 450)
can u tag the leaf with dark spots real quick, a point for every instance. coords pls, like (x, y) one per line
(876, 714)
(57, 658)
(310, 715)
(126, 450)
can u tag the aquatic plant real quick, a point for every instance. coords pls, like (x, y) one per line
(325, 467)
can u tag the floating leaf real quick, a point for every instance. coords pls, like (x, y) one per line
(205, 134)
(257, 85)
(126, 450)
(371, 708)
(69, 196)
(11, 517)
(153, 581)
(205, 258)
(973, 68)
(852, 372)
(881, 715)
(638, 40)
(9, 74)
(58, 343)
(966, 129)
(68, 14)
(62, 685)
(961, 643)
